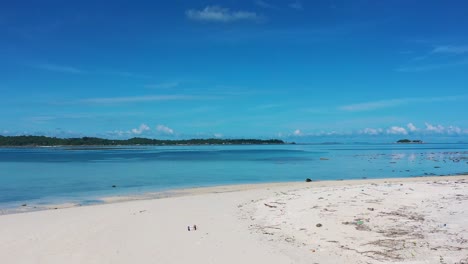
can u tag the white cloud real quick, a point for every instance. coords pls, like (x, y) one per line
(396, 130)
(454, 130)
(141, 129)
(372, 131)
(411, 127)
(450, 49)
(218, 135)
(296, 5)
(297, 132)
(164, 129)
(436, 129)
(429, 129)
(367, 106)
(449, 130)
(220, 14)
(118, 133)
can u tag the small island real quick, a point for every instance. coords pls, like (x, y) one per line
(42, 141)
(409, 141)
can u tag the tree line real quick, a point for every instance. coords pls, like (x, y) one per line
(17, 141)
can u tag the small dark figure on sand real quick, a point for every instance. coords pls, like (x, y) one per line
(195, 227)
(188, 228)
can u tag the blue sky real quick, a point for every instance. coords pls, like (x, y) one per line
(297, 70)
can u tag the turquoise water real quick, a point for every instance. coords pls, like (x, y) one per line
(57, 175)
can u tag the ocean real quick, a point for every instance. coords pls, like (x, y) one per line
(41, 176)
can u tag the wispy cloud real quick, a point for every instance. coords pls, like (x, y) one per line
(439, 57)
(41, 119)
(368, 106)
(429, 67)
(296, 5)
(450, 49)
(58, 68)
(138, 99)
(74, 70)
(165, 85)
(123, 74)
(266, 106)
(265, 4)
(77, 116)
(220, 14)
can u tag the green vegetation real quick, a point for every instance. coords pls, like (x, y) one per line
(17, 141)
(404, 141)
(409, 141)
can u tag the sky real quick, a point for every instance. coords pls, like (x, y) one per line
(295, 70)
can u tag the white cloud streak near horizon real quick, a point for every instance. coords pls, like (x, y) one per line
(368, 106)
(142, 128)
(372, 131)
(396, 130)
(164, 129)
(220, 14)
(412, 129)
(297, 132)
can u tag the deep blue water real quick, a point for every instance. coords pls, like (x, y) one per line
(56, 175)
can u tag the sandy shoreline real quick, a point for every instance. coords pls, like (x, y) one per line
(399, 220)
(211, 189)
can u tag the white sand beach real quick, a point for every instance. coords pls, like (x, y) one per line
(411, 220)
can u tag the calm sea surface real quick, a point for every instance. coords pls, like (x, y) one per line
(57, 175)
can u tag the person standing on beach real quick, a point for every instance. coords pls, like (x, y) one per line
(195, 227)
(188, 228)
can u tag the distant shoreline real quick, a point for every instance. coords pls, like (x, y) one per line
(84, 147)
(43, 141)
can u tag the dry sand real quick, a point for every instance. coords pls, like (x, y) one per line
(413, 220)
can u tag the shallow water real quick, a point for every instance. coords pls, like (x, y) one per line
(82, 175)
